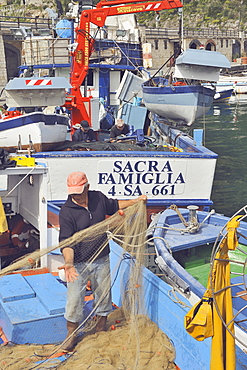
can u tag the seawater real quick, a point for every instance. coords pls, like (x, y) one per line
(226, 134)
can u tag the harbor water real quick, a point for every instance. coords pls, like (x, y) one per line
(225, 128)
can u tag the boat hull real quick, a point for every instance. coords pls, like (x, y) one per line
(161, 307)
(35, 130)
(239, 83)
(182, 104)
(223, 95)
(191, 271)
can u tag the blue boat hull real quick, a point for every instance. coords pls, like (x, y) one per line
(224, 95)
(182, 241)
(163, 310)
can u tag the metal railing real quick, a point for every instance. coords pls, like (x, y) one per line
(34, 23)
(211, 32)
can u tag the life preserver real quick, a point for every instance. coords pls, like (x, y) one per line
(179, 83)
(11, 114)
(20, 231)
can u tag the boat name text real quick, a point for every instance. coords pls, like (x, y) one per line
(134, 177)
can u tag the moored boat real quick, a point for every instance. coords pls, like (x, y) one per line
(31, 121)
(186, 99)
(181, 103)
(239, 83)
(168, 166)
(186, 241)
(32, 302)
(36, 131)
(223, 95)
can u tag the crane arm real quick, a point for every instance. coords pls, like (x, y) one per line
(85, 42)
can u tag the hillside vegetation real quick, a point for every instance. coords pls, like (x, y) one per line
(196, 13)
(203, 13)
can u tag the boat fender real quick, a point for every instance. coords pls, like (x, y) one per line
(217, 96)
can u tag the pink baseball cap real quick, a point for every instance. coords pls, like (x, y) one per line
(76, 182)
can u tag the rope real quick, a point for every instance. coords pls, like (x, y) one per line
(175, 208)
(176, 300)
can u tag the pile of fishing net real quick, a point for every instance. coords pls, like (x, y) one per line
(131, 341)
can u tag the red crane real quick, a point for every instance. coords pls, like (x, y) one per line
(80, 57)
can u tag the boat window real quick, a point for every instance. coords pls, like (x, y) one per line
(3, 182)
(90, 79)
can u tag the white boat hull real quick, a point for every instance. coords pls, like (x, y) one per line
(239, 83)
(34, 130)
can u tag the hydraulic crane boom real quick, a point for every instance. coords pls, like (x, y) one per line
(80, 57)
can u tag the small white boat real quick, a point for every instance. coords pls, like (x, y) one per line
(223, 95)
(36, 131)
(186, 99)
(239, 83)
(180, 103)
(28, 124)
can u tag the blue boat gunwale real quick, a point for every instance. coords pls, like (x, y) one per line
(181, 89)
(55, 205)
(204, 153)
(158, 235)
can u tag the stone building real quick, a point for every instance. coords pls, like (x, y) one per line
(165, 42)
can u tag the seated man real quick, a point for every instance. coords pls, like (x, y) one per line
(84, 133)
(120, 128)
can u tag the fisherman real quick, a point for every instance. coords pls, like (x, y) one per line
(84, 133)
(120, 128)
(82, 209)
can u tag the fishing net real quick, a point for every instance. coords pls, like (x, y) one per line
(131, 340)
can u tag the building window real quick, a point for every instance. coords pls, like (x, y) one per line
(226, 43)
(221, 43)
(165, 44)
(156, 44)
